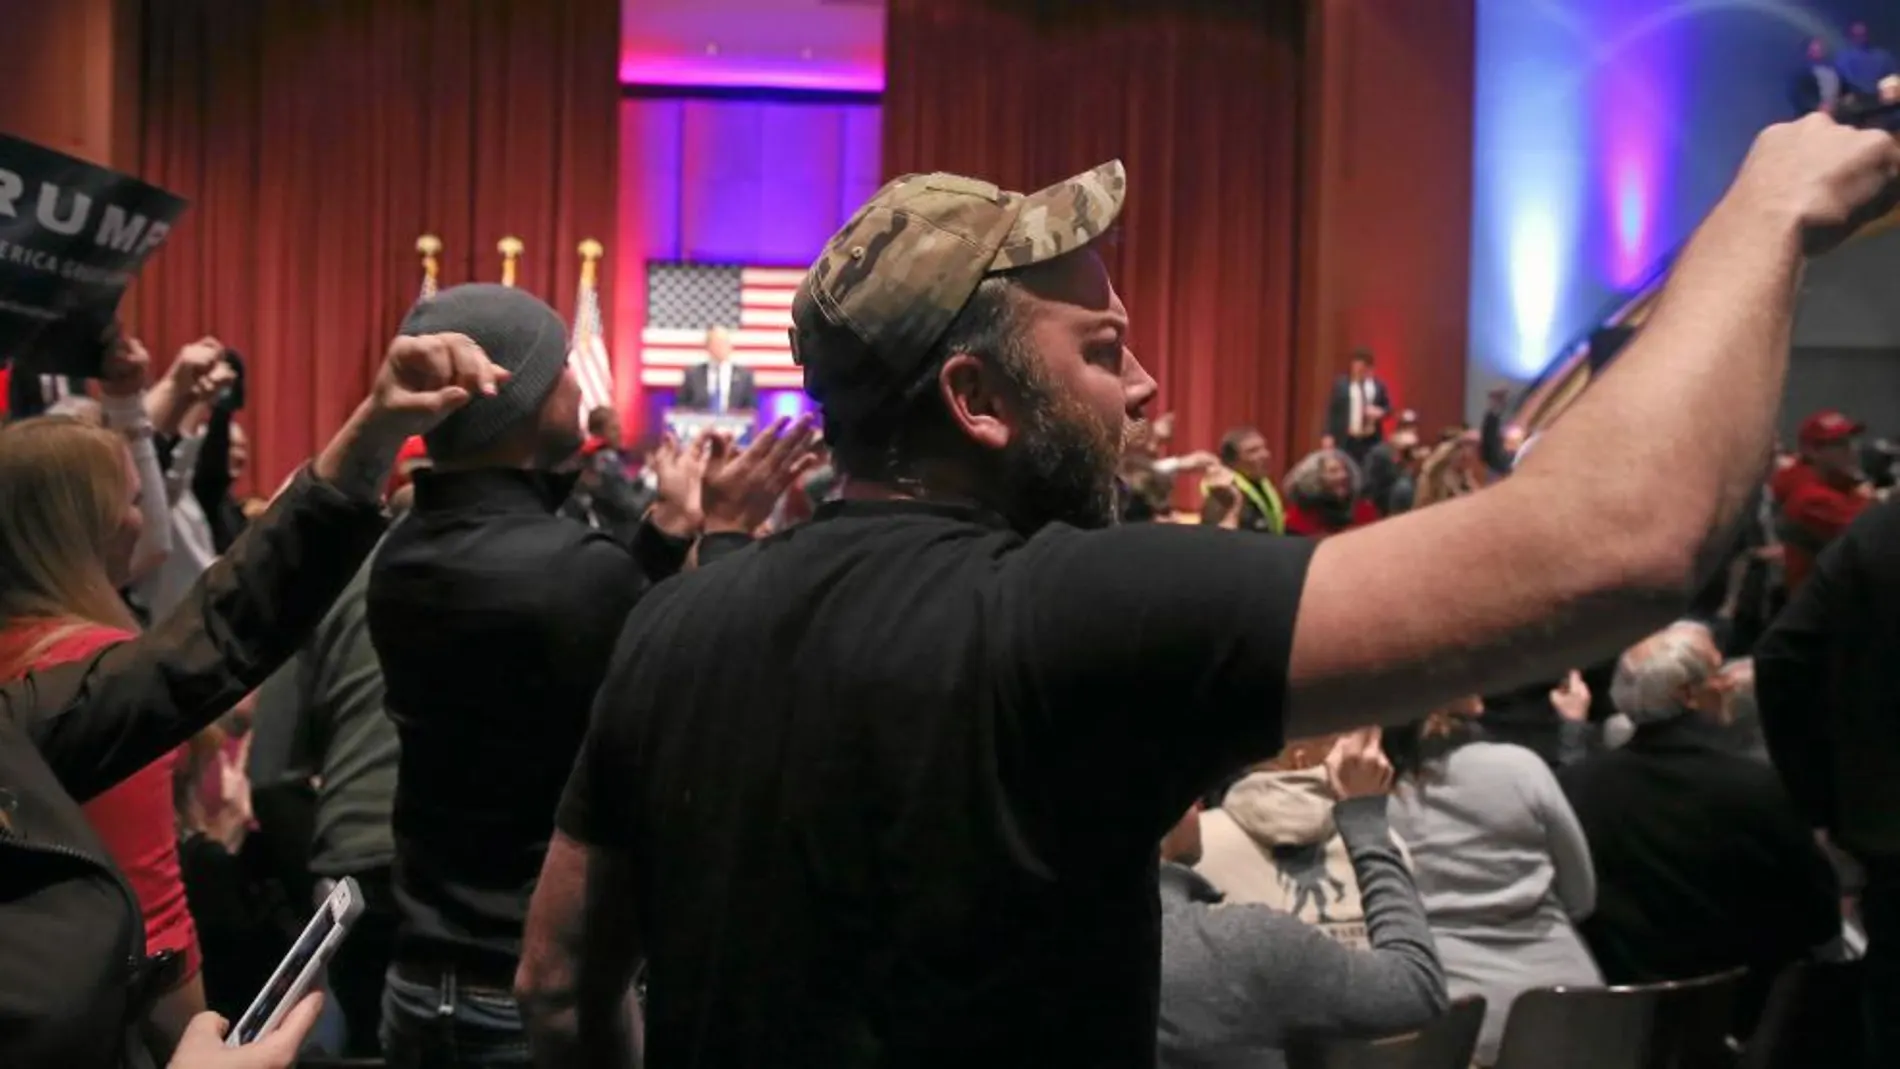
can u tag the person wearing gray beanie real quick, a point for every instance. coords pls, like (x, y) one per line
(534, 420)
(492, 617)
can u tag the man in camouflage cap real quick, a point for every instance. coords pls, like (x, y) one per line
(888, 788)
(906, 330)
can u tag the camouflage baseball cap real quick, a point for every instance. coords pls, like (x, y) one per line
(892, 280)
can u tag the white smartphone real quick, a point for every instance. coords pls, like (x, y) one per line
(298, 972)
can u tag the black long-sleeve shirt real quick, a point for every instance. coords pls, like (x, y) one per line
(493, 618)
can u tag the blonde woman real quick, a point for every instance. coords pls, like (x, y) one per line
(75, 981)
(70, 519)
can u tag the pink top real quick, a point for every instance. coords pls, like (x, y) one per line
(134, 820)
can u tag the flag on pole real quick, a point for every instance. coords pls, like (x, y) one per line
(430, 247)
(510, 249)
(588, 353)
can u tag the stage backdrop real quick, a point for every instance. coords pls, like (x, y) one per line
(1201, 100)
(724, 203)
(316, 141)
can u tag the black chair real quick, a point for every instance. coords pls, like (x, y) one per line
(1681, 1025)
(1446, 1043)
(340, 1063)
(1813, 1018)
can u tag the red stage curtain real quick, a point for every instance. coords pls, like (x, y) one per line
(1201, 99)
(318, 140)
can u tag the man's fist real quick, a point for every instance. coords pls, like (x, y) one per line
(426, 378)
(1829, 178)
(126, 366)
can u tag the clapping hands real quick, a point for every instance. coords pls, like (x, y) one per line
(714, 485)
(742, 488)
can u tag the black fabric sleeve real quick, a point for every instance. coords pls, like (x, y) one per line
(659, 555)
(1151, 656)
(1794, 678)
(99, 720)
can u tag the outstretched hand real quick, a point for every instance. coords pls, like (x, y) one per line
(741, 490)
(426, 378)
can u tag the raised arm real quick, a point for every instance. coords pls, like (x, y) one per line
(1599, 537)
(127, 367)
(97, 721)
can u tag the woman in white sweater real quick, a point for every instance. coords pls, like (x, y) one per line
(1500, 862)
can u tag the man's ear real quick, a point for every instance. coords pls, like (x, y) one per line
(978, 401)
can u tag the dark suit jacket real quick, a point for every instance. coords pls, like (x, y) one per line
(1339, 411)
(1702, 861)
(696, 391)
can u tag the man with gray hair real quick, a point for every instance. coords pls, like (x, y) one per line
(1702, 863)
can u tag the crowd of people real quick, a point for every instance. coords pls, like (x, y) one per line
(941, 735)
(1857, 78)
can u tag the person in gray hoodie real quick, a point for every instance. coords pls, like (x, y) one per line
(1239, 981)
(1273, 841)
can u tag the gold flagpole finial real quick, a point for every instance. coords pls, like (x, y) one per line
(510, 249)
(430, 247)
(591, 252)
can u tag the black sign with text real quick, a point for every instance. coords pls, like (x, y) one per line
(72, 236)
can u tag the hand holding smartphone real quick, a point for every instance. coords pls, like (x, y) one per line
(298, 972)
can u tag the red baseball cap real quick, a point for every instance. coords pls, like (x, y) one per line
(1828, 426)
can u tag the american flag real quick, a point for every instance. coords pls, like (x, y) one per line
(588, 354)
(754, 303)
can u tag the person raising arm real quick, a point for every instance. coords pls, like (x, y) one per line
(73, 974)
(1600, 535)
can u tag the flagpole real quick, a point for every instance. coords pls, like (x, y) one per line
(510, 249)
(587, 354)
(429, 247)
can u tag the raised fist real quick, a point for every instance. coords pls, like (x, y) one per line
(426, 378)
(1829, 178)
(126, 366)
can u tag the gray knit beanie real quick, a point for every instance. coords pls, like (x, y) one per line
(519, 332)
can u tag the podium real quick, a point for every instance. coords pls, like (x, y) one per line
(687, 424)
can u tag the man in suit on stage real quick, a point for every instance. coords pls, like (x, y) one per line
(718, 385)
(1356, 416)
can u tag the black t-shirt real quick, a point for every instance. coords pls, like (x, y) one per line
(893, 782)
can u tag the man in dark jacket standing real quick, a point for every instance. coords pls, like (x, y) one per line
(1828, 682)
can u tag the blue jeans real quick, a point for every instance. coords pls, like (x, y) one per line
(447, 1026)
